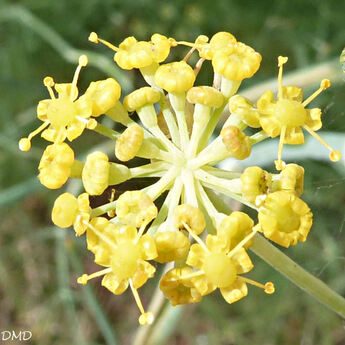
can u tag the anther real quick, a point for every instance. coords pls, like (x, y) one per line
(144, 318)
(281, 61)
(269, 288)
(112, 213)
(93, 37)
(325, 84)
(85, 277)
(49, 83)
(25, 143)
(334, 155)
(195, 237)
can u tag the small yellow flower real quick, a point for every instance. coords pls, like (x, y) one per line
(66, 115)
(219, 41)
(134, 54)
(135, 208)
(175, 77)
(124, 252)
(55, 165)
(190, 215)
(95, 173)
(141, 97)
(138, 54)
(171, 246)
(235, 228)
(205, 95)
(285, 219)
(236, 142)
(255, 182)
(291, 179)
(179, 290)
(70, 210)
(286, 116)
(236, 62)
(103, 94)
(244, 109)
(129, 142)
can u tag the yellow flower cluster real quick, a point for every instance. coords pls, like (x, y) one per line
(130, 235)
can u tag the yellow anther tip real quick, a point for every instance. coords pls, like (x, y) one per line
(325, 84)
(201, 39)
(48, 81)
(282, 60)
(146, 319)
(83, 279)
(269, 288)
(172, 42)
(91, 124)
(24, 144)
(93, 37)
(279, 164)
(335, 156)
(83, 60)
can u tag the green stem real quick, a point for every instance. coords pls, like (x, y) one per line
(107, 132)
(258, 137)
(76, 169)
(211, 126)
(300, 277)
(165, 325)
(229, 175)
(148, 170)
(21, 15)
(155, 190)
(233, 186)
(170, 120)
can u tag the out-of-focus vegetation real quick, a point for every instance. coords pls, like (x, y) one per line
(39, 264)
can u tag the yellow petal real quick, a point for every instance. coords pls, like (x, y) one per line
(242, 261)
(196, 256)
(148, 246)
(142, 274)
(234, 293)
(111, 282)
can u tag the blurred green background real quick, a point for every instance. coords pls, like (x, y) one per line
(39, 264)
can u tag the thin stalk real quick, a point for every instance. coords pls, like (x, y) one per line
(148, 170)
(107, 132)
(299, 276)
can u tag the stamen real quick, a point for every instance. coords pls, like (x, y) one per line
(145, 318)
(140, 232)
(325, 84)
(198, 66)
(93, 37)
(334, 155)
(192, 275)
(90, 124)
(281, 61)
(85, 278)
(112, 213)
(49, 83)
(196, 237)
(100, 235)
(267, 287)
(279, 163)
(82, 63)
(244, 241)
(25, 143)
